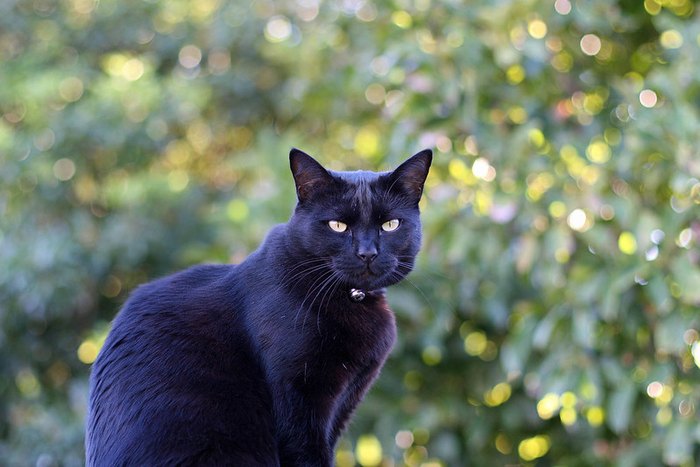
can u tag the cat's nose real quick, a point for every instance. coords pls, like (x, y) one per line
(367, 253)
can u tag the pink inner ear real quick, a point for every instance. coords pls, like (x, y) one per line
(306, 184)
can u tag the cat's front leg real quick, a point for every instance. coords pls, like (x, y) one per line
(306, 454)
(301, 435)
(308, 463)
(350, 399)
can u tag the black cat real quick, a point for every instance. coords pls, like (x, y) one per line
(262, 363)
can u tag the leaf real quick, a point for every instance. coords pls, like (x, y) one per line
(668, 335)
(658, 292)
(688, 278)
(678, 444)
(584, 328)
(516, 350)
(620, 407)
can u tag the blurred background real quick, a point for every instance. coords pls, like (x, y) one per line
(553, 316)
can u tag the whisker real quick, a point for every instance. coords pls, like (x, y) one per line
(318, 264)
(425, 297)
(319, 280)
(310, 260)
(329, 293)
(296, 267)
(300, 275)
(431, 272)
(327, 280)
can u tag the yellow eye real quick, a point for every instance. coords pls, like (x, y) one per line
(337, 226)
(390, 226)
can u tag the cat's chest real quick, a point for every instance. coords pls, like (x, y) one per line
(331, 345)
(357, 330)
(346, 344)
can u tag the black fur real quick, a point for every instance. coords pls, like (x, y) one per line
(261, 363)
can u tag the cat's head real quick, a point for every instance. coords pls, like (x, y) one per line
(363, 226)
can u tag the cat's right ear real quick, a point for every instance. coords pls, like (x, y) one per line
(309, 175)
(410, 176)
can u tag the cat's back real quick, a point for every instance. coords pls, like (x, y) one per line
(180, 294)
(175, 371)
(186, 304)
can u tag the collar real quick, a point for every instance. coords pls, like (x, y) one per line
(357, 295)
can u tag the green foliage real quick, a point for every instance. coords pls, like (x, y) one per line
(552, 318)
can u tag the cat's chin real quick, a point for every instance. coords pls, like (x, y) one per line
(372, 282)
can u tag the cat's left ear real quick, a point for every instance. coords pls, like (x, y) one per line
(309, 175)
(410, 176)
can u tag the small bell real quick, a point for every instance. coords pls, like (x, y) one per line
(357, 295)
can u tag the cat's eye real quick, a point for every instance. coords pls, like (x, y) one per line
(390, 226)
(337, 226)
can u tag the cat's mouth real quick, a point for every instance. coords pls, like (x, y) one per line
(367, 277)
(367, 273)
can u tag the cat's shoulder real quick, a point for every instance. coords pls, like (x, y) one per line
(195, 284)
(187, 280)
